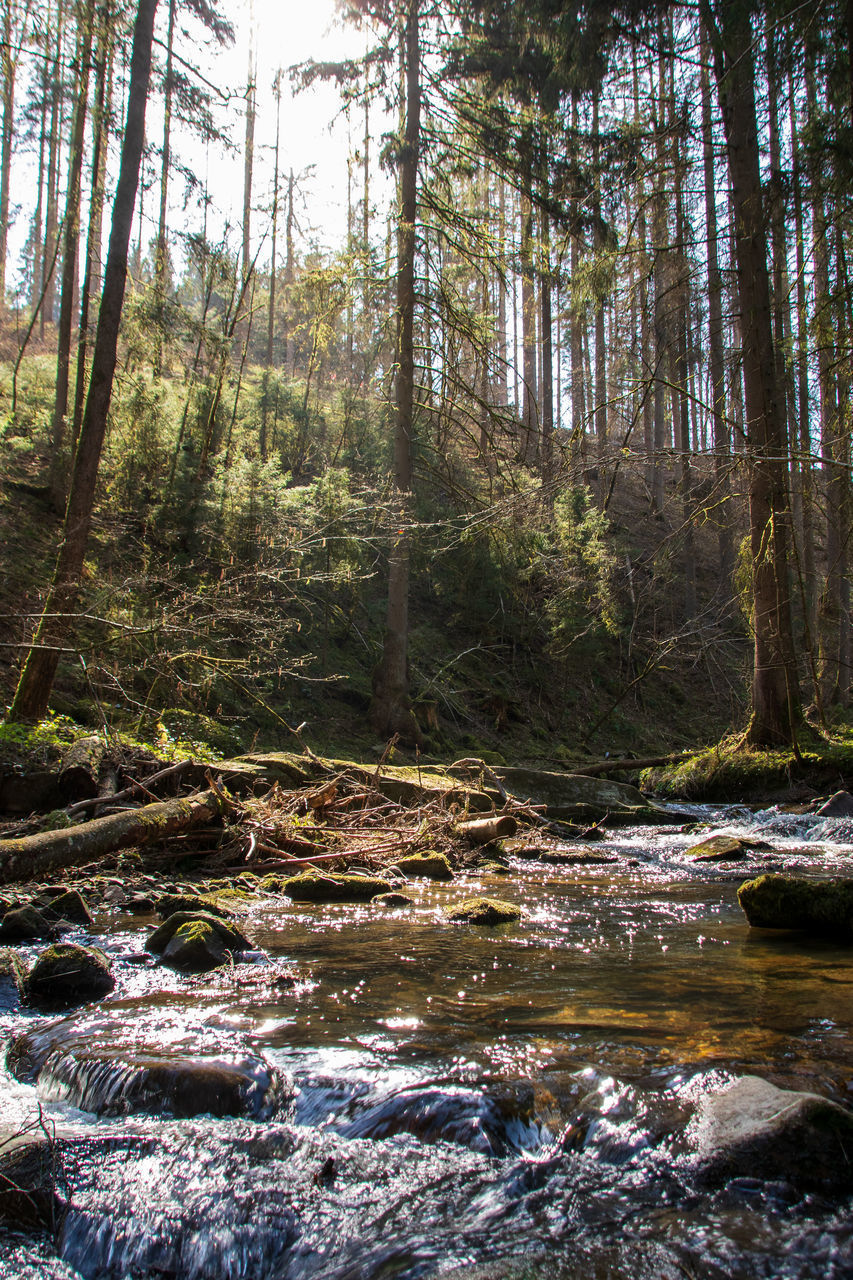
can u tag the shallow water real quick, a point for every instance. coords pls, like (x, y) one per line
(504, 1102)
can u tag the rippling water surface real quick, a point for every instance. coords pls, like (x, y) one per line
(435, 1099)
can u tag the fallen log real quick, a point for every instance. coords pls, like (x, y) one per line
(627, 765)
(485, 830)
(46, 851)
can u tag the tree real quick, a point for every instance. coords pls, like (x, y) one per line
(776, 709)
(391, 711)
(36, 679)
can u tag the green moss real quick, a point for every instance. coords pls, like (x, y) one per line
(310, 886)
(433, 866)
(731, 771)
(232, 938)
(822, 907)
(486, 911)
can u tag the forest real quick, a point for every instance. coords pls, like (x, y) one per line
(426, 757)
(548, 455)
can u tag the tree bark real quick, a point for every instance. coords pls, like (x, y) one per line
(71, 236)
(36, 680)
(390, 709)
(32, 856)
(776, 711)
(717, 369)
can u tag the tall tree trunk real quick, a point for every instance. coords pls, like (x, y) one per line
(36, 680)
(83, 56)
(161, 249)
(600, 343)
(7, 61)
(289, 342)
(91, 271)
(529, 393)
(776, 711)
(681, 409)
(660, 249)
(547, 396)
(717, 369)
(51, 219)
(390, 709)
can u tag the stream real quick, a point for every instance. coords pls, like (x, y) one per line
(422, 1099)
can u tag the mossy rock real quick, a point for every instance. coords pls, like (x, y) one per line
(71, 906)
(486, 911)
(433, 866)
(392, 900)
(26, 924)
(171, 903)
(725, 848)
(271, 884)
(232, 939)
(67, 974)
(310, 886)
(820, 907)
(195, 947)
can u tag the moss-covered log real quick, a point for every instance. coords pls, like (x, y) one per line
(47, 851)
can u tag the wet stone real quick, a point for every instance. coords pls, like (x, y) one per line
(195, 941)
(26, 924)
(172, 902)
(392, 900)
(823, 908)
(29, 1171)
(484, 911)
(313, 887)
(67, 974)
(839, 805)
(432, 866)
(754, 1129)
(71, 906)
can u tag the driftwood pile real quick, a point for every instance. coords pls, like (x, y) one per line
(342, 818)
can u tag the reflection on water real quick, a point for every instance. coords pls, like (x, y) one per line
(501, 1102)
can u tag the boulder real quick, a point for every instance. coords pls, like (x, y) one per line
(29, 1172)
(486, 911)
(571, 797)
(726, 848)
(66, 974)
(433, 866)
(26, 924)
(392, 900)
(71, 906)
(839, 805)
(195, 941)
(754, 1129)
(718, 849)
(169, 903)
(311, 886)
(820, 907)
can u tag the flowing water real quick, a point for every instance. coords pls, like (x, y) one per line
(425, 1099)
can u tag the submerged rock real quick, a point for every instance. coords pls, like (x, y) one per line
(839, 805)
(171, 903)
(26, 924)
(718, 849)
(753, 1129)
(821, 907)
(726, 848)
(487, 911)
(196, 941)
(67, 974)
(29, 1172)
(392, 900)
(433, 866)
(311, 886)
